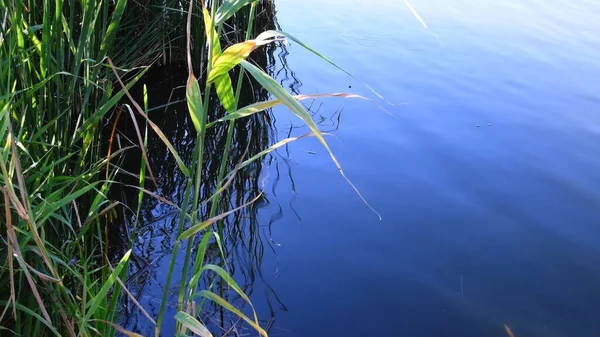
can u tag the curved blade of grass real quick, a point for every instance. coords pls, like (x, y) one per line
(49, 208)
(154, 127)
(197, 228)
(34, 290)
(97, 116)
(228, 9)
(267, 151)
(222, 302)
(12, 238)
(286, 98)
(135, 301)
(261, 106)
(141, 144)
(231, 282)
(28, 311)
(224, 276)
(192, 323)
(323, 57)
(199, 261)
(101, 296)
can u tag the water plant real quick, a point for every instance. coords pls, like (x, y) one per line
(68, 67)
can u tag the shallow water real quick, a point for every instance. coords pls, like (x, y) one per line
(486, 174)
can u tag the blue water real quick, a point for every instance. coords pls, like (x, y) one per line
(487, 177)
(485, 170)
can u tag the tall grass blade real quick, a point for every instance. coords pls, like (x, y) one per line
(286, 98)
(101, 295)
(197, 228)
(109, 37)
(269, 150)
(223, 303)
(154, 127)
(35, 315)
(265, 105)
(324, 58)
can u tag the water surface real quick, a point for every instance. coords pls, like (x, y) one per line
(485, 171)
(487, 178)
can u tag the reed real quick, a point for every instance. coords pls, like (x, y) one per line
(66, 69)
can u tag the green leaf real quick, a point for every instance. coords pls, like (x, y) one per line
(111, 31)
(93, 120)
(286, 98)
(101, 296)
(194, 101)
(267, 151)
(220, 301)
(196, 228)
(228, 279)
(193, 284)
(228, 9)
(192, 323)
(231, 57)
(32, 313)
(225, 92)
(213, 37)
(48, 209)
(323, 57)
(264, 105)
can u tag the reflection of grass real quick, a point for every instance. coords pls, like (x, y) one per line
(65, 67)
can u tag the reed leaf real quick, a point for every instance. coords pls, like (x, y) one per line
(230, 58)
(228, 8)
(101, 295)
(194, 101)
(251, 109)
(223, 303)
(192, 323)
(287, 99)
(224, 90)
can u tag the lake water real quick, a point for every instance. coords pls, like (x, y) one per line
(486, 173)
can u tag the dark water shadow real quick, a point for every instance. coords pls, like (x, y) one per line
(245, 241)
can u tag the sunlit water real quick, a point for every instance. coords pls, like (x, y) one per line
(486, 172)
(487, 179)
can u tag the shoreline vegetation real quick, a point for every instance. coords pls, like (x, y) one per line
(66, 75)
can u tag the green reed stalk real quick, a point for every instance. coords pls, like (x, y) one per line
(199, 156)
(230, 126)
(224, 159)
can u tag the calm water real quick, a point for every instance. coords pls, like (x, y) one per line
(487, 176)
